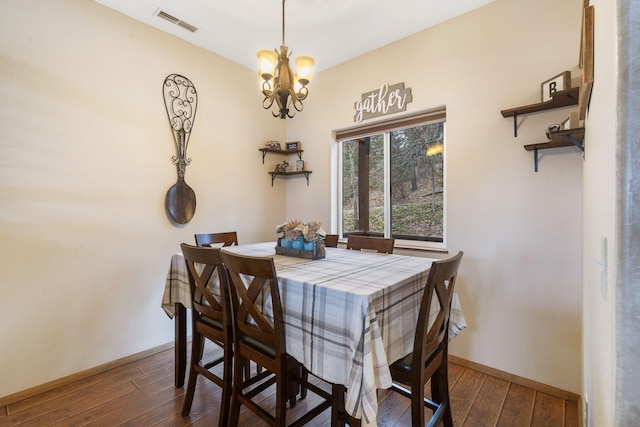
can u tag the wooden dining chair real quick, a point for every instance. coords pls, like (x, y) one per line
(428, 360)
(260, 337)
(378, 244)
(229, 238)
(331, 240)
(211, 320)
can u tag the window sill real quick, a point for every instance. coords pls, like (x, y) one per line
(421, 248)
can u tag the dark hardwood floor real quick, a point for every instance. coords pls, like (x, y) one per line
(142, 393)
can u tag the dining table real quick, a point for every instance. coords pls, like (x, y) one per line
(348, 316)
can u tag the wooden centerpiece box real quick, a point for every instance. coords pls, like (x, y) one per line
(318, 251)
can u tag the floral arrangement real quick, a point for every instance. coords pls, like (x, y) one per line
(310, 231)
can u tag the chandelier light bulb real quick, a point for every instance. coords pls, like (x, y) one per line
(304, 66)
(267, 63)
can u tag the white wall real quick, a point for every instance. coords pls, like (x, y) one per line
(85, 164)
(520, 283)
(599, 206)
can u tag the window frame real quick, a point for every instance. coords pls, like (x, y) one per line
(385, 128)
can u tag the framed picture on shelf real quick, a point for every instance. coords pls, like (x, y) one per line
(293, 145)
(555, 84)
(299, 165)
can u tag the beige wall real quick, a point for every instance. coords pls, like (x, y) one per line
(84, 167)
(520, 283)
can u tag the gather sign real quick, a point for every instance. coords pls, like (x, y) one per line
(383, 101)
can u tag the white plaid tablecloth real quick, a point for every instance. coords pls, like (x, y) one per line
(348, 316)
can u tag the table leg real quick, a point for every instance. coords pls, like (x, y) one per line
(180, 344)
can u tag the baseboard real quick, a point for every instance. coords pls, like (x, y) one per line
(15, 397)
(24, 394)
(553, 391)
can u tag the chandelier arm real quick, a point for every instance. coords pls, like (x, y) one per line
(297, 103)
(267, 102)
(266, 88)
(302, 94)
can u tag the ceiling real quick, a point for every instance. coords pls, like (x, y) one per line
(330, 31)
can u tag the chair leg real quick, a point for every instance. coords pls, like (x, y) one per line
(292, 388)
(227, 376)
(417, 401)
(247, 369)
(238, 379)
(304, 374)
(440, 393)
(196, 356)
(283, 385)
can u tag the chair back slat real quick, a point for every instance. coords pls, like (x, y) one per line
(228, 238)
(431, 338)
(255, 298)
(378, 244)
(207, 282)
(331, 240)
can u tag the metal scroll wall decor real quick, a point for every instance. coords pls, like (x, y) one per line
(181, 102)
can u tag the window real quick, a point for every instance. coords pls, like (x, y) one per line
(392, 179)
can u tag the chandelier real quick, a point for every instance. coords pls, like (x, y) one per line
(280, 84)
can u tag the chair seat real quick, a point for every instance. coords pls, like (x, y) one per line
(259, 345)
(212, 322)
(403, 364)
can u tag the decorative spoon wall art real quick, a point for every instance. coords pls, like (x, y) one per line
(181, 102)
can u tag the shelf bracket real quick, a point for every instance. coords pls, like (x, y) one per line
(575, 142)
(535, 160)
(273, 176)
(515, 126)
(264, 154)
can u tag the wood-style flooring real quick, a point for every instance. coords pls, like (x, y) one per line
(142, 393)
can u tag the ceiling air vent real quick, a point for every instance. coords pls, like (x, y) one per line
(187, 26)
(174, 20)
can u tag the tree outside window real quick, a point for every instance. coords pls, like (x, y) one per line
(409, 203)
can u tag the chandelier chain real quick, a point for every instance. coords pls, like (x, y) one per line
(283, 23)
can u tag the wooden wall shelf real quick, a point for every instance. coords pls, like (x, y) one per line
(564, 98)
(561, 138)
(281, 152)
(274, 174)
